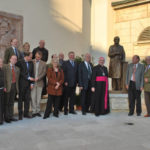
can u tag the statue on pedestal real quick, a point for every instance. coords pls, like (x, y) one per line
(117, 60)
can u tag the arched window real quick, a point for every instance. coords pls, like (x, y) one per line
(145, 35)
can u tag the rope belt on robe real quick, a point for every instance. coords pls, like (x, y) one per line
(105, 79)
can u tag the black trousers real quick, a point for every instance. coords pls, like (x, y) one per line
(24, 96)
(86, 99)
(1, 105)
(44, 91)
(69, 97)
(52, 101)
(9, 102)
(62, 99)
(134, 98)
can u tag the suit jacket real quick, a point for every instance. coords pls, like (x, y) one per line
(147, 85)
(52, 79)
(8, 77)
(139, 75)
(8, 53)
(70, 73)
(41, 72)
(25, 73)
(83, 75)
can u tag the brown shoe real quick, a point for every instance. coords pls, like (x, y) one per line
(146, 115)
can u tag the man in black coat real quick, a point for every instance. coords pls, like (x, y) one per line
(70, 80)
(44, 58)
(26, 82)
(84, 78)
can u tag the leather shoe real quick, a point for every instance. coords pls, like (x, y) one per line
(1, 123)
(130, 114)
(45, 117)
(7, 121)
(39, 115)
(73, 112)
(33, 115)
(55, 115)
(146, 115)
(83, 113)
(65, 113)
(13, 119)
(20, 117)
(138, 114)
(28, 116)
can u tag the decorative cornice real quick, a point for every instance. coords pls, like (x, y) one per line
(128, 3)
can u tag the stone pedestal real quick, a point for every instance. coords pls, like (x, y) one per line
(118, 101)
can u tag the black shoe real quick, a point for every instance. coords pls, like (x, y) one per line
(130, 114)
(39, 115)
(33, 115)
(45, 117)
(65, 113)
(7, 121)
(83, 113)
(55, 115)
(138, 114)
(20, 117)
(73, 112)
(28, 116)
(1, 123)
(13, 119)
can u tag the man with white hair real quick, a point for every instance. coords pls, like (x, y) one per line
(84, 78)
(100, 88)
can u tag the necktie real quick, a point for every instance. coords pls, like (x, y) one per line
(72, 62)
(89, 71)
(27, 68)
(16, 52)
(134, 70)
(147, 68)
(13, 75)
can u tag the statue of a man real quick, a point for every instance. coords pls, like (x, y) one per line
(117, 57)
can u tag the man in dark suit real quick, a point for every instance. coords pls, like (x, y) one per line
(13, 50)
(70, 80)
(12, 73)
(135, 84)
(26, 82)
(84, 78)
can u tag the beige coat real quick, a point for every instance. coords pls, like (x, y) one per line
(8, 77)
(41, 72)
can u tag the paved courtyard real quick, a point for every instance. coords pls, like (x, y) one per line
(77, 132)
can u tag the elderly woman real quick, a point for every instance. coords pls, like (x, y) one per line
(147, 86)
(55, 78)
(100, 88)
(1, 91)
(26, 48)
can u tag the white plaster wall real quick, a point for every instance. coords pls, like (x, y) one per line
(40, 22)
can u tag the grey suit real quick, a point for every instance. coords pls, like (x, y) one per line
(11, 90)
(134, 90)
(139, 75)
(39, 72)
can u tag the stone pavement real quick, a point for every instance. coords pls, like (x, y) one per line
(77, 132)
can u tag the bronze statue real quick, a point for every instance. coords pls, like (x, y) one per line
(117, 57)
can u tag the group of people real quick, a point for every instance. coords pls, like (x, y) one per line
(26, 76)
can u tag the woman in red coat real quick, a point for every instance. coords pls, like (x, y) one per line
(55, 78)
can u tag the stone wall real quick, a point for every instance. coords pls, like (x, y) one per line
(129, 22)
